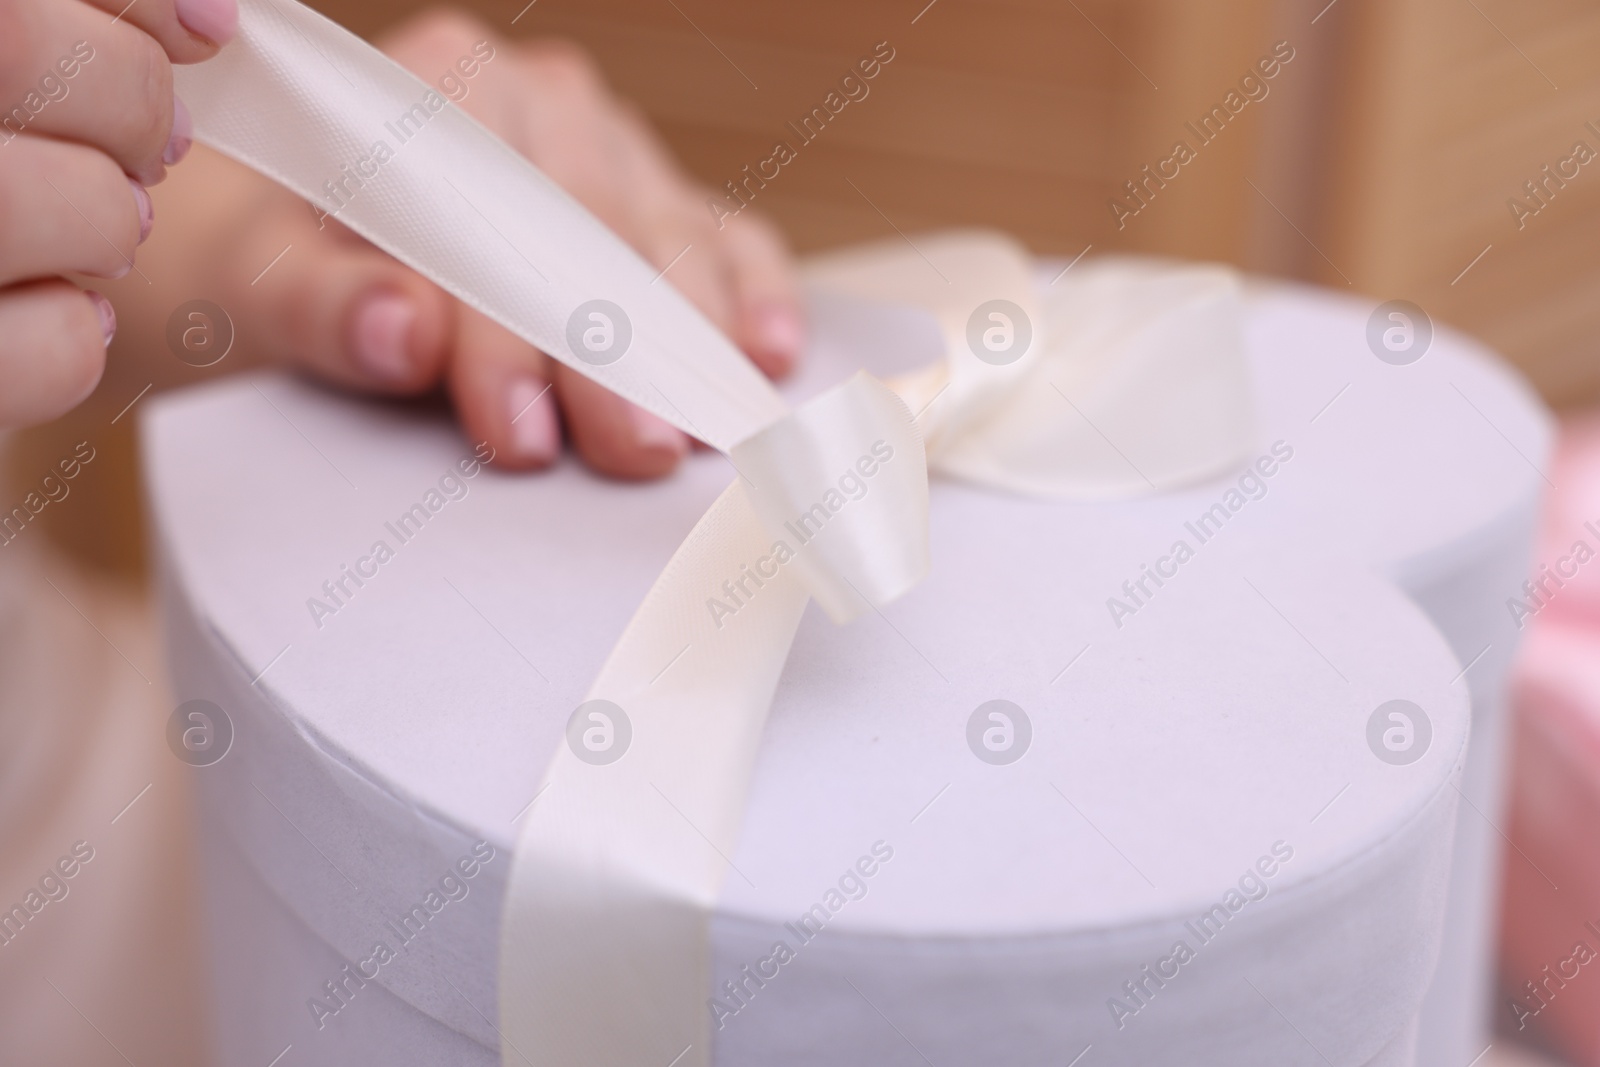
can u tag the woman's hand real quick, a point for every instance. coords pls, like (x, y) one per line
(351, 314)
(87, 122)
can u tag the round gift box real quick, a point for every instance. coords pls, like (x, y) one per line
(1196, 832)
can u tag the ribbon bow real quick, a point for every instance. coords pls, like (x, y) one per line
(1117, 378)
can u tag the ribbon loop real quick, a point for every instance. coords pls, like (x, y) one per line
(1141, 386)
(1117, 377)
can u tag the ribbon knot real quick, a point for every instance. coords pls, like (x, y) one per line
(844, 479)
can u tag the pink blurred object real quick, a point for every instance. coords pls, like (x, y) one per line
(1550, 926)
(1566, 578)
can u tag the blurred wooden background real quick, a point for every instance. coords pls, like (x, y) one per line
(1448, 108)
(1380, 162)
(1021, 114)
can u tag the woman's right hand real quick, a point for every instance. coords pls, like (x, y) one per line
(87, 122)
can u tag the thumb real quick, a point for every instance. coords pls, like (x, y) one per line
(309, 293)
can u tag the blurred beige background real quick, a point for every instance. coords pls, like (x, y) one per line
(1381, 161)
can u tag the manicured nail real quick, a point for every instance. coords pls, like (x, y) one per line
(215, 20)
(107, 313)
(655, 434)
(182, 137)
(147, 210)
(780, 332)
(535, 434)
(381, 329)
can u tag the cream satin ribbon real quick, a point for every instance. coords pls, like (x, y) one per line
(1133, 381)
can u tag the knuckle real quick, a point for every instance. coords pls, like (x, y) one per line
(758, 229)
(696, 220)
(566, 65)
(634, 124)
(760, 248)
(438, 34)
(16, 51)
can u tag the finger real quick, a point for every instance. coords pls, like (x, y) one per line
(577, 143)
(768, 316)
(342, 310)
(613, 436)
(68, 71)
(65, 209)
(668, 226)
(55, 349)
(451, 49)
(503, 393)
(691, 263)
(739, 273)
(188, 30)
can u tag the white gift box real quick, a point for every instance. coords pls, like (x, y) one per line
(1202, 759)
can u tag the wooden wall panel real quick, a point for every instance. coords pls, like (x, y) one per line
(964, 126)
(1023, 114)
(1451, 110)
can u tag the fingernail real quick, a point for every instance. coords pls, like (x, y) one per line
(182, 136)
(381, 329)
(215, 20)
(107, 313)
(653, 433)
(147, 210)
(779, 331)
(534, 431)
